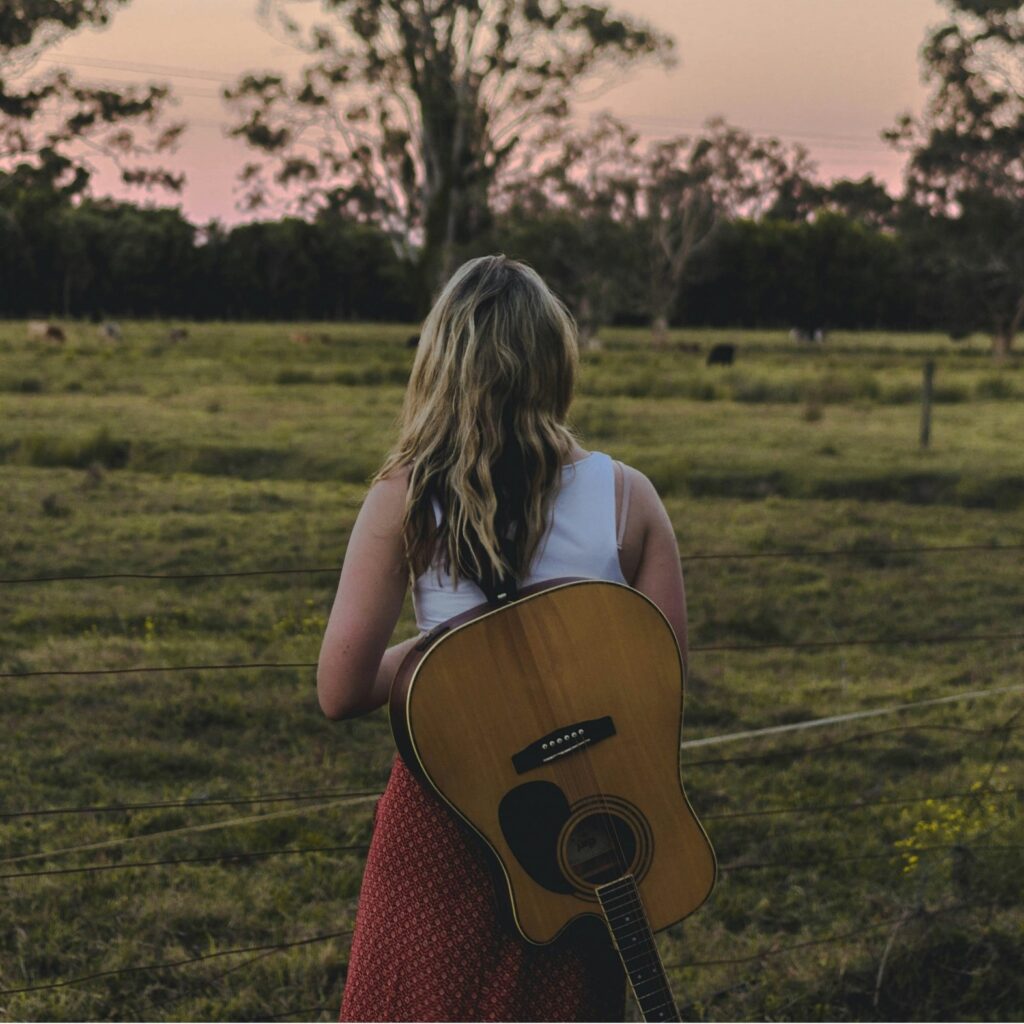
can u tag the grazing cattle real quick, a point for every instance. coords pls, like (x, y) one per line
(721, 355)
(44, 329)
(814, 334)
(412, 341)
(111, 331)
(177, 334)
(300, 337)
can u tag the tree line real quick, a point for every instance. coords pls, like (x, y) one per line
(443, 131)
(102, 259)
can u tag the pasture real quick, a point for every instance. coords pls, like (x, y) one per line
(871, 867)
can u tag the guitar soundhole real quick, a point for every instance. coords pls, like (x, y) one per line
(605, 837)
(600, 848)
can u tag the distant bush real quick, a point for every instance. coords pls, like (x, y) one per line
(948, 394)
(100, 446)
(994, 387)
(765, 389)
(24, 385)
(374, 374)
(295, 377)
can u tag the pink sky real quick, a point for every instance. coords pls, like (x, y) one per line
(828, 73)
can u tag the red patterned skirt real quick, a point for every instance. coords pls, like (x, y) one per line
(433, 939)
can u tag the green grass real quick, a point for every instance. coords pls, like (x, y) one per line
(240, 450)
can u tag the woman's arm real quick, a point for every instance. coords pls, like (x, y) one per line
(659, 575)
(354, 671)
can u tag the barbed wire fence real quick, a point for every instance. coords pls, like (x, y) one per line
(317, 800)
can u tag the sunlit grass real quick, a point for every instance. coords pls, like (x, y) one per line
(241, 449)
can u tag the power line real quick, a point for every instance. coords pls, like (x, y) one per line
(856, 806)
(951, 638)
(845, 140)
(768, 755)
(827, 136)
(319, 794)
(238, 666)
(362, 848)
(225, 857)
(256, 818)
(848, 552)
(851, 716)
(173, 963)
(298, 1013)
(165, 575)
(171, 70)
(313, 794)
(204, 827)
(828, 940)
(695, 557)
(856, 858)
(872, 642)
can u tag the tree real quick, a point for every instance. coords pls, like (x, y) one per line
(48, 123)
(754, 177)
(571, 213)
(670, 195)
(965, 176)
(690, 187)
(410, 109)
(866, 201)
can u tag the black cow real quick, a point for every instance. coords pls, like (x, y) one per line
(721, 355)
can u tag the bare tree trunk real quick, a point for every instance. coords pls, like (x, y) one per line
(1006, 332)
(659, 330)
(587, 324)
(1002, 343)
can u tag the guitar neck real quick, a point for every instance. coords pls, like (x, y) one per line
(627, 920)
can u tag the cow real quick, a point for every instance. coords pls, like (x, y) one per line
(177, 334)
(812, 334)
(721, 355)
(44, 329)
(111, 331)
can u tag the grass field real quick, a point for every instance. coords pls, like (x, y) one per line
(872, 867)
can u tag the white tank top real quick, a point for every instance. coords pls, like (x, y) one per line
(580, 540)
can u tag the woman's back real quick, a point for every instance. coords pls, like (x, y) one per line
(583, 538)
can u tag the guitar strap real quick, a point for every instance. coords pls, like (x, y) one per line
(499, 590)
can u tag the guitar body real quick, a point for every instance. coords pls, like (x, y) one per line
(551, 725)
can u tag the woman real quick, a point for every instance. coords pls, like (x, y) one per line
(486, 478)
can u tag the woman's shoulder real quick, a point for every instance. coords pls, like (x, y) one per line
(641, 489)
(387, 494)
(395, 481)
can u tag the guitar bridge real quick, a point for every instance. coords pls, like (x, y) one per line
(561, 742)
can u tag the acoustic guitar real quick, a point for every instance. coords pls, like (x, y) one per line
(551, 725)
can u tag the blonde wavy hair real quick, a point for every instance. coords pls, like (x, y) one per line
(483, 425)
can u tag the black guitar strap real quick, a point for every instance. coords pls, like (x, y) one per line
(499, 590)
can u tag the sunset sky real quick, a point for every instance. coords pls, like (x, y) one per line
(828, 73)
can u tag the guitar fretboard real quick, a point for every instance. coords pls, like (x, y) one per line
(620, 901)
